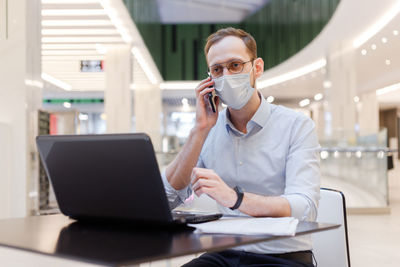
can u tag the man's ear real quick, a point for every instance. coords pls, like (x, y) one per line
(258, 67)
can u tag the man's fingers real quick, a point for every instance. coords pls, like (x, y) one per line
(201, 87)
(202, 190)
(204, 183)
(198, 173)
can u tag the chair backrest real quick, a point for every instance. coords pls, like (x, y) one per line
(331, 248)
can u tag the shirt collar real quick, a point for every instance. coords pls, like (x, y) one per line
(260, 118)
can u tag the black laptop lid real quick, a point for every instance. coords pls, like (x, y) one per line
(113, 176)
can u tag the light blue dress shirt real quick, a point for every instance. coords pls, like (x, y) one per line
(279, 156)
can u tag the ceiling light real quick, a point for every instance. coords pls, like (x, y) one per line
(304, 102)
(292, 74)
(81, 40)
(356, 99)
(318, 97)
(327, 84)
(67, 46)
(395, 32)
(179, 85)
(73, 12)
(185, 101)
(70, 1)
(82, 116)
(79, 32)
(363, 52)
(56, 82)
(270, 99)
(87, 22)
(67, 105)
(378, 25)
(143, 64)
(373, 46)
(103, 116)
(387, 62)
(68, 52)
(324, 154)
(384, 40)
(388, 89)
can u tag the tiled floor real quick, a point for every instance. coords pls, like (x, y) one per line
(375, 239)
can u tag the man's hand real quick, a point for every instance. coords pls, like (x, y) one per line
(206, 181)
(205, 117)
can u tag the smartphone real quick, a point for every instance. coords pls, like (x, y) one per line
(211, 99)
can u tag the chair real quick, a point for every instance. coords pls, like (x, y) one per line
(331, 248)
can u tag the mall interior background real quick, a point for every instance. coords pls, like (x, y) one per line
(112, 66)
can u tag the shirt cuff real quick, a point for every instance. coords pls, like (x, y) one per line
(175, 197)
(301, 207)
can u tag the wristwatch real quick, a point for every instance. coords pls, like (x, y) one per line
(240, 194)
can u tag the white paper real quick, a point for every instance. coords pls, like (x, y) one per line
(250, 226)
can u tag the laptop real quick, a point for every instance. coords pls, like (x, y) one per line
(109, 177)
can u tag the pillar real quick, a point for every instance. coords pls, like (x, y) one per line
(20, 97)
(147, 106)
(117, 95)
(340, 90)
(368, 114)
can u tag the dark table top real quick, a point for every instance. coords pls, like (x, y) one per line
(57, 235)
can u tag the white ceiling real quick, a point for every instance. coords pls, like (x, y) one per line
(61, 57)
(351, 19)
(207, 11)
(75, 30)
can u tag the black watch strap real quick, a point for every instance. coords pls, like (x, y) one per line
(240, 194)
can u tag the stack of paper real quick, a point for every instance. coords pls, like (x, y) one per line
(250, 226)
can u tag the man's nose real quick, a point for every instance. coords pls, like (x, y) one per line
(226, 71)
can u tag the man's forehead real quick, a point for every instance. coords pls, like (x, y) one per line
(230, 47)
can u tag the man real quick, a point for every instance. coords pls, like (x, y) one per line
(252, 158)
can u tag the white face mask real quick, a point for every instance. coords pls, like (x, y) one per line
(234, 90)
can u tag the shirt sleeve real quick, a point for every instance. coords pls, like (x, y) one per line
(302, 185)
(177, 197)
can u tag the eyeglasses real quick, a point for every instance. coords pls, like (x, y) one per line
(234, 67)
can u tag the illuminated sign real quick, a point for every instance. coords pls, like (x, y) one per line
(92, 65)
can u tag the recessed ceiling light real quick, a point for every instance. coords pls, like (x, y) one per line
(363, 52)
(327, 84)
(318, 97)
(387, 62)
(356, 99)
(384, 40)
(395, 32)
(304, 102)
(67, 105)
(373, 46)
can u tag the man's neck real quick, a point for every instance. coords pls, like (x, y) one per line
(241, 117)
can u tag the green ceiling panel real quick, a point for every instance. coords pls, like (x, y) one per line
(281, 29)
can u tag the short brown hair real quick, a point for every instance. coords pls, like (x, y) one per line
(222, 33)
